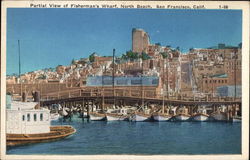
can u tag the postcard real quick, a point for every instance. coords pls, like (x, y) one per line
(124, 80)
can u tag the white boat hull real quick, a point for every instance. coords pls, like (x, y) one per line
(54, 117)
(115, 118)
(182, 118)
(236, 120)
(96, 117)
(200, 118)
(139, 118)
(219, 117)
(160, 118)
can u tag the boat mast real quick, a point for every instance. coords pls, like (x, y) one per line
(235, 74)
(19, 60)
(163, 84)
(113, 76)
(167, 78)
(102, 91)
(142, 89)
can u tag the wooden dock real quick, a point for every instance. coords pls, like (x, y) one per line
(86, 97)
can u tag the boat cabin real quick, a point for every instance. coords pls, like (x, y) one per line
(202, 110)
(23, 118)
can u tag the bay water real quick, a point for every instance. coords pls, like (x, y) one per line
(141, 138)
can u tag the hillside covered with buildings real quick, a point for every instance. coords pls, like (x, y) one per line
(202, 71)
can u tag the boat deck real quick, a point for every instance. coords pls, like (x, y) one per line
(56, 132)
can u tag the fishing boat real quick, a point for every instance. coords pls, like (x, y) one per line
(220, 114)
(28, 123)
(117, 115)
(140, 117)
(97, 116)
(55, 133)
(142, 113)
(54, 116)
(182, 115)
(162, 116)
(65, 113)
(201, 115)
(236, 119)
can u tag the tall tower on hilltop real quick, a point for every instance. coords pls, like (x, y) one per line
(140, 40)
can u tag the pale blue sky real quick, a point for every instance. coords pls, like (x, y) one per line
(50, 37)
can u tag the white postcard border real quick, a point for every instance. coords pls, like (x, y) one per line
(243, 5)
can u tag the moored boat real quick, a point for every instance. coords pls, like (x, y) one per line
(54, 116)
(182, 115)
(28, 123)
(219, 116)
(95, 116)
(117, 115)
(162, 117)
(55, 133)
(236, 119)
(140, 117)
(201, 115)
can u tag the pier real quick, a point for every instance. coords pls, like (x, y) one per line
(103, 97)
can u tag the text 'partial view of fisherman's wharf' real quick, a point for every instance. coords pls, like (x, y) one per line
(150, 82)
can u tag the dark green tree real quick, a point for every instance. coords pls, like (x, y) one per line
(92, 57)
(164, 54)
(144, 56)
(73, 61)
(130, 55)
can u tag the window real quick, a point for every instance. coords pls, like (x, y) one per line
(218, 81)
(41, 117)
(23, 117)
(205, 81)
(28, 117)
(34, 117)
(225, 81)
(210, 81)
